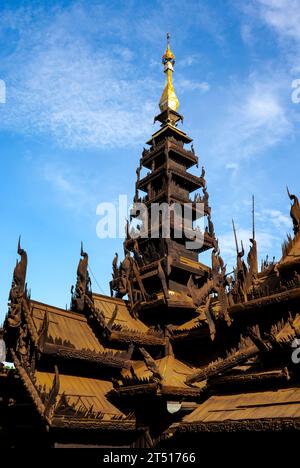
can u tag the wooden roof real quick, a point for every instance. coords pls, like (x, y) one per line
(292, 258)
(282, 403)
(173, 371)
(67, 328)
(170, 129)
(82, 393)
(107, 305)
(191, 324)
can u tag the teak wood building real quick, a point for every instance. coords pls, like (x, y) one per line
(190, 350)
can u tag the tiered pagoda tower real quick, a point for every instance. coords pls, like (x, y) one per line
(165, 269)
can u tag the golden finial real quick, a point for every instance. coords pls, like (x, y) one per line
(168, 98)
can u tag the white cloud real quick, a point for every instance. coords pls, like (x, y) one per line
(65, 82)
(188, 60)
(79, 99)
(256, 118)
(60, 84)
(71, 190)
(190, 85)
(276, 217)
(247, 33)
(282, 15)
(59, 179)
(232, 166)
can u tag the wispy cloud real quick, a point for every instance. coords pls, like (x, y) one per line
(282, 15)
(274, 217)
(188, 60)
(247, 33)
(60, 179)
(78, 99)
(256, 118)
(282, 18)
(232, 166)
(191, 85)
(71, 190)
(66, 83)
(60, 84)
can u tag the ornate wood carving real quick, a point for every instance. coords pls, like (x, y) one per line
(278, 378)
(28, 382)
(131, 336)
(295, 212)
(51, 400)
(118, 360)
(43, 332)
(94, 425)
(151, 365)
(142, 389)
(250, 425)
(223, 364)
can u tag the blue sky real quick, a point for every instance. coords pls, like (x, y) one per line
(83, 82)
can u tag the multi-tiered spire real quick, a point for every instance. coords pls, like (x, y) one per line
(163, 271)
